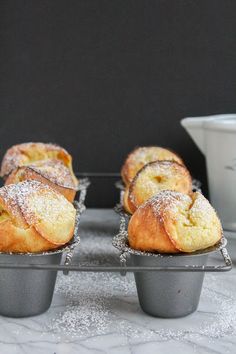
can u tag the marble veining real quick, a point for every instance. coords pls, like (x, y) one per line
(100, 313)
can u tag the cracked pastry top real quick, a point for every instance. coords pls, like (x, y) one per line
(51, 172)
(154, 177)
(34, 218)
(28, 153)
(143, 155)
(173, 222)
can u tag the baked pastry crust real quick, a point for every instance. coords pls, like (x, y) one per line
(143, 155)
(154, 177)
(51, 172)
(173, 222)
(126, 201)
(34, 218)
(28, 153)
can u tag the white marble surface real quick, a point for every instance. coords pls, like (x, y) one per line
(99, 313)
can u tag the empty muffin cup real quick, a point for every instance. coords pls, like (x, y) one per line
(170, 294)
(27, 292)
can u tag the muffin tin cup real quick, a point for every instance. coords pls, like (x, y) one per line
(29, 292)
(169, 294)
(171, 286)
(168, 285)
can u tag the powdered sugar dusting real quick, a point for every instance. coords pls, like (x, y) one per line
(146, 154)
(55, 171)
(165, 201)
(17, 154)
(14, 195)
(49, 204)
(170, 201)
(168, 167)
(157, 176)
(201, 206)
(99, 303)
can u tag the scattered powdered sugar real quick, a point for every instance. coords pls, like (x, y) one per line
(89, 316)
(90, 301)
(101, 303)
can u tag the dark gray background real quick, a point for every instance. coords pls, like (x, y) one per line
(100, 77)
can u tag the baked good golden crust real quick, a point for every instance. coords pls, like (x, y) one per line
(126, 201)
(28, 153)
(143, 155)
(173, 222)
(34, 218)
(51, 172)
(154, 177)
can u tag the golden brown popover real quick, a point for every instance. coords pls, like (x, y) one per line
(126, 201)
(28, 153)
(143, 155)
(172, 222)
(51, 172)
(154, 177)
(34, 218)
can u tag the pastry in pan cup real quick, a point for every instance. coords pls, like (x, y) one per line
(34, 218)
(126, 206)
(28, 153)
(51, 172)
(143, 155)
(154, 177)
(173, 222)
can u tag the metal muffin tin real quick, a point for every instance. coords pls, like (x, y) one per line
(30, 293)
(27, 280)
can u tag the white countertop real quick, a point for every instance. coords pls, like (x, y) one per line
(100, 313)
